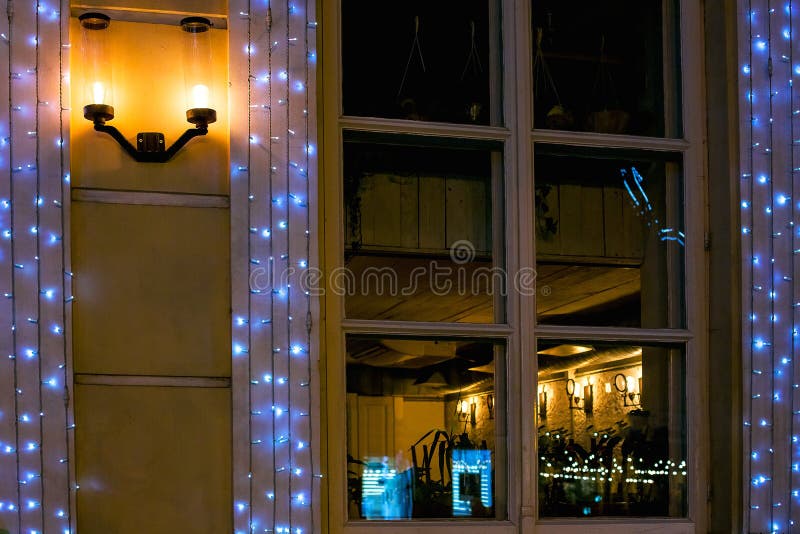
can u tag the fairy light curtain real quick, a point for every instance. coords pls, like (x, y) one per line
(770, 205)
(35, 474)
(273, 193)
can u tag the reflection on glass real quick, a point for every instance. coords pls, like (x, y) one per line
(423, 418)
(419, 242)
(609, 238)
(421, 60)
(612, 430)
(607, 67)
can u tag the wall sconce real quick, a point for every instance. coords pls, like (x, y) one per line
(581, 397)
(588, 395)
(467, 411)
(150, 146)
(629, 388)
(543, 401)
(490, 405)
(573, 395)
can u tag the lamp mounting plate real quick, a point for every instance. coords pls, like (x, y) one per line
(150, 142)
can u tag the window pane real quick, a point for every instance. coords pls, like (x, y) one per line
(424, 417)
(612, 430)
(609, 238)
(420, 240)
(422, 60)
(608, 67)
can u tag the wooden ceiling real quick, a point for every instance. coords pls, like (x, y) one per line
(407, 292)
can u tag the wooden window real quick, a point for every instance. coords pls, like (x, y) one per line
(441, 144)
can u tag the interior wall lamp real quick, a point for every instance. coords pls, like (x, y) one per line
(543, 389)
(629, 388)
(150, 146)
(467, 411)
(581, 397)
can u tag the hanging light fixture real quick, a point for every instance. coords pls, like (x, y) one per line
(150, 146)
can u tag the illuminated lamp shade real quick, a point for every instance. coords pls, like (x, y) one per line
(198, 70)
(95, 53)
(150, 146)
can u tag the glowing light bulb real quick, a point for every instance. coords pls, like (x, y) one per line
(98, 93)
(199, 96)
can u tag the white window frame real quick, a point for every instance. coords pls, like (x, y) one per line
(519, 330)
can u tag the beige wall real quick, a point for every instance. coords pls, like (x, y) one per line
(152, 299)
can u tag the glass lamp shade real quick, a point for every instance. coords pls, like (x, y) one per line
(198, 70)
(96, 59)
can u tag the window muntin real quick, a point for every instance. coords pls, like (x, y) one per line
(421, 60)
(373, 129)
(423, 233)
(606, 67)
(611, 429)
(610, 237)
(424, 421)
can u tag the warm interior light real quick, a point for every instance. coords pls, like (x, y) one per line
(608, 387)
(98, 93)
(96, 66)
(97, 88)
(565, 350)
(200, 96)
(198, 70)
(630, 384)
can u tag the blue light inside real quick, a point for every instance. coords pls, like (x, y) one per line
(472, 480)
(385, 493)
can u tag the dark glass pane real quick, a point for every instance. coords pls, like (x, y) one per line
(609, 238)
(422, 60)
(612, 430)
(419, 241)
(424, 422)
(608, 67)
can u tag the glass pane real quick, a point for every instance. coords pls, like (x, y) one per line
(422, 60)
(612, 430)
(609, 238)
(422, 237)
(608, 67)
(424, 417)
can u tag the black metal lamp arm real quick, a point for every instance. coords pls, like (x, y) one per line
(152, 156)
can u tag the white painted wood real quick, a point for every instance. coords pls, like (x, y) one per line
(397, 126)
(66, 274)
(52, 157)
(240, 178)
(615, 334)
(632, 526)
(697, 372)
(589, 139)
(425, 527)
(356, 326)
(26, 179)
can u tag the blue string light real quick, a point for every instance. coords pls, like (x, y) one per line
(275, 176)
(769, 153)
(34, 280)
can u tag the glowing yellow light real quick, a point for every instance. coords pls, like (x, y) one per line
(200, 96)
(98, 93)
